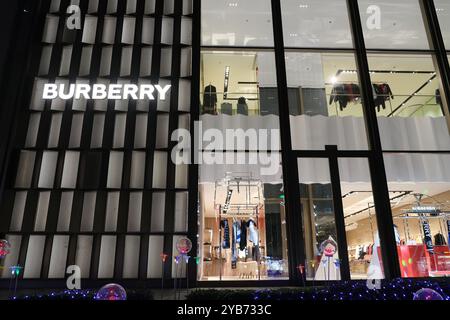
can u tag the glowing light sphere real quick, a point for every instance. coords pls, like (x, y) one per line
(5, 247)
(184, 246)
(111, 292)
(427, 294)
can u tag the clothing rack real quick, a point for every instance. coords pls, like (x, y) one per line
(220, 238)
(432, 73)
(244, 181)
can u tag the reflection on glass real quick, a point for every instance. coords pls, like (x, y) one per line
(363, 242)
(408, 102)
(242, 224)
(419, 185)
(411, 85)
(325, 101)
(238, 83)
(443, 13)
(241, 201)
(243, 23)
(307, 24)
(319, 229)
(393, 24)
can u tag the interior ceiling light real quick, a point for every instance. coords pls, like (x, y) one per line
(233, 4)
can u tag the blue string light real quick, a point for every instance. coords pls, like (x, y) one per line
(399, 289)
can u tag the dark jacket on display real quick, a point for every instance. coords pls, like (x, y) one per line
(344, 94)
(209, 99)
(383, 93)
(226, 234)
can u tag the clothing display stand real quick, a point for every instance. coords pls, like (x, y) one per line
(423, 215)
(248, 216)
(239, 182)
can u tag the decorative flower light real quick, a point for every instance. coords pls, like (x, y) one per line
(5, 247)
(111, 292)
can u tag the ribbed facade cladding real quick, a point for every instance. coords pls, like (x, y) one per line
(95, 185)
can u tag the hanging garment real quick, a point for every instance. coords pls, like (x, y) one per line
(427, 236)
(236, 238)
(344, 94)
(242, 107)
(209, 99)
(243, 242)
(255, 253)
(226, 234)
(252, 232)
(226, 108)
(439, 240)
(338, 95)
(383, 93)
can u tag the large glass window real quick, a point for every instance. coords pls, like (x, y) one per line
(407, 94)
(443, 13)
(242, 224)
(306, 23)
(393, 24)
(320, 234)
(240, 83)
(419, 185)
(325, 103)
(363, 241)
(319, 222)
(240, 23)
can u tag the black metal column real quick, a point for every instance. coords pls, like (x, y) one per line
(193, 168)
(294, 222)
(376, 161)
(339, 212)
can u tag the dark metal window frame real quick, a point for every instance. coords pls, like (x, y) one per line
(375, 154)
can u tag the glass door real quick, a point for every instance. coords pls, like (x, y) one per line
(318, 207)
(339, 219)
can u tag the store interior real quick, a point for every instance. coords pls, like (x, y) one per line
(404, 85)
(240, 87)
(243, 229)
(415, 207)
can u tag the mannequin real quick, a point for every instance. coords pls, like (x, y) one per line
(375, 271)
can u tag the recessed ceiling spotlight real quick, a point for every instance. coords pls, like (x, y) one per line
(233, 4)
(293, 35)
(303, 6)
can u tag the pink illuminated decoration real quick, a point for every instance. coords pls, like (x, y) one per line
(184, 246)
(111, 292)
(4, 248)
